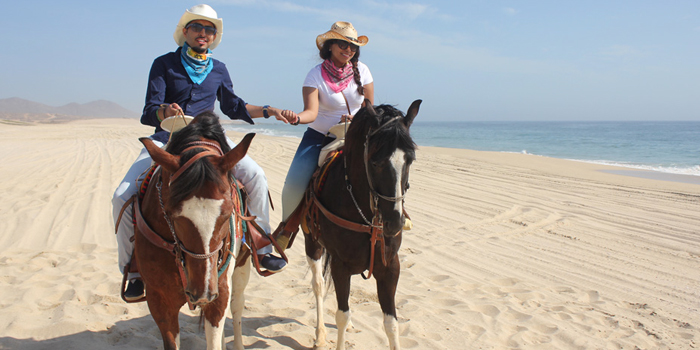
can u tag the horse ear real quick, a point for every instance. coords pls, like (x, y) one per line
(160, 156)
(236, 154)
(368, 105)
(412, 113)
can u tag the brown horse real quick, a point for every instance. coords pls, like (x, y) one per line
(187, 210)
(356, 218)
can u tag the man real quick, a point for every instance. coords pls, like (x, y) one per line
(189, 81)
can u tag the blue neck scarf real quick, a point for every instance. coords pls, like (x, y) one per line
(197, 65)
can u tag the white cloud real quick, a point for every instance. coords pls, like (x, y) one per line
(510, 11)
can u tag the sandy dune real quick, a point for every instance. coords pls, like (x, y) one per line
(509, 251)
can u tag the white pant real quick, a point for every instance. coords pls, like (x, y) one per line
(247, 171)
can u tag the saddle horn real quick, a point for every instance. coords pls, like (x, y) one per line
(412, 113)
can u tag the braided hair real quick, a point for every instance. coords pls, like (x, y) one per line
(325, 54)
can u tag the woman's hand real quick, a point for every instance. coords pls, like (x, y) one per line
(346, 118)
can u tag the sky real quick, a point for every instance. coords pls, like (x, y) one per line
(487, 60)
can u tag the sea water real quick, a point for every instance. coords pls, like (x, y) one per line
(669, 147)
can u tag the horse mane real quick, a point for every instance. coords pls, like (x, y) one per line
(204, 126)
(392, 136)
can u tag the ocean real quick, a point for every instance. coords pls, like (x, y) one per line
(667, 147)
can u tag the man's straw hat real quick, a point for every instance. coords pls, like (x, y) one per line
(194, 13)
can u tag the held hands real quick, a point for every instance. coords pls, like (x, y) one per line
(284, 115)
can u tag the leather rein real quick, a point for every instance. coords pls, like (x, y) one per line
(374, 228)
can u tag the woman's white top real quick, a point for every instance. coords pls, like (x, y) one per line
(332, 105)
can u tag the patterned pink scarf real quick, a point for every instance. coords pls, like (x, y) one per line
(337, 78)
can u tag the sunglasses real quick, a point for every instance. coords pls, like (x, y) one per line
(342, 44)
(198, 28)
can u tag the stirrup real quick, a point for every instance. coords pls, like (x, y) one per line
(283, 237)
(407, 225)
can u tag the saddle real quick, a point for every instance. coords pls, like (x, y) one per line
(247, 228)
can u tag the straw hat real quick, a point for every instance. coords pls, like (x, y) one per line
(342, 31)
(204, 12)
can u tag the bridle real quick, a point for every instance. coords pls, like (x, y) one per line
(374, 194)
(211, 149)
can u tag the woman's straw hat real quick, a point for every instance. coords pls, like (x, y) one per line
(204, 12)
(342, 31)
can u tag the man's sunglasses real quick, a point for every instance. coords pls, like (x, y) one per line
(342, 44)
(198, 28)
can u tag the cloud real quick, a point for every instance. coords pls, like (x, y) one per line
(510, 11)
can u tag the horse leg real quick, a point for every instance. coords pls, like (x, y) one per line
(387, 281)
(317, 284)
(165, 314)
(341, 282)
(314, 257)
(239, 280)
(215, 315)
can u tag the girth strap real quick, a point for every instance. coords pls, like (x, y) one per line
(375, 231)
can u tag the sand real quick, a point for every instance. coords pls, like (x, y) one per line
(509, 251)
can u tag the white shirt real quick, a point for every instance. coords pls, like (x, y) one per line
(332, 105)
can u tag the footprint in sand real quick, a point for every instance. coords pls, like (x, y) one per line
(439, 278)
(590, 296)
(488, 310)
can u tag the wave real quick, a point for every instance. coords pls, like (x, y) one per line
(679, 170)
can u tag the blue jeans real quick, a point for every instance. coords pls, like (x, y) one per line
(303, 166)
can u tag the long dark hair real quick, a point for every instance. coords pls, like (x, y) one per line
(325, 54)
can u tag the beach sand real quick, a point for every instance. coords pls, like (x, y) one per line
(508, 251)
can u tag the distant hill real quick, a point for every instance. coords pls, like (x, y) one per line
(30, 111)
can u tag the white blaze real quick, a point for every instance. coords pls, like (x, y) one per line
(203, 212)
(398, 159)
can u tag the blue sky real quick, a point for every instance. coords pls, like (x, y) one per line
(467, 60)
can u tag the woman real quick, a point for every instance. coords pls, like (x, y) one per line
(333, 92)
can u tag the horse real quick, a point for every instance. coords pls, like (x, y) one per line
(186, 235)
(354, 215)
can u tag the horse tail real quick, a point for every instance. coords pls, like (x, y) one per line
(327, 276)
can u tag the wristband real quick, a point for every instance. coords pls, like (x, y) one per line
(265, 114)
(296, 122)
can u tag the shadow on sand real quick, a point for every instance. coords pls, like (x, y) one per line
(142, 333)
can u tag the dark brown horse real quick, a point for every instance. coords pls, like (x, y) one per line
(187, 210)
(356, 218)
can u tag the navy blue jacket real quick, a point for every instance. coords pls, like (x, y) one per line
(168, 82)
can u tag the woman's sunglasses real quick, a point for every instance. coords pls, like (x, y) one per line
(198, 28)
(342, 44)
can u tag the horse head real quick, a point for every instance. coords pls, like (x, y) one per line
(380, 152)
(197, 200)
